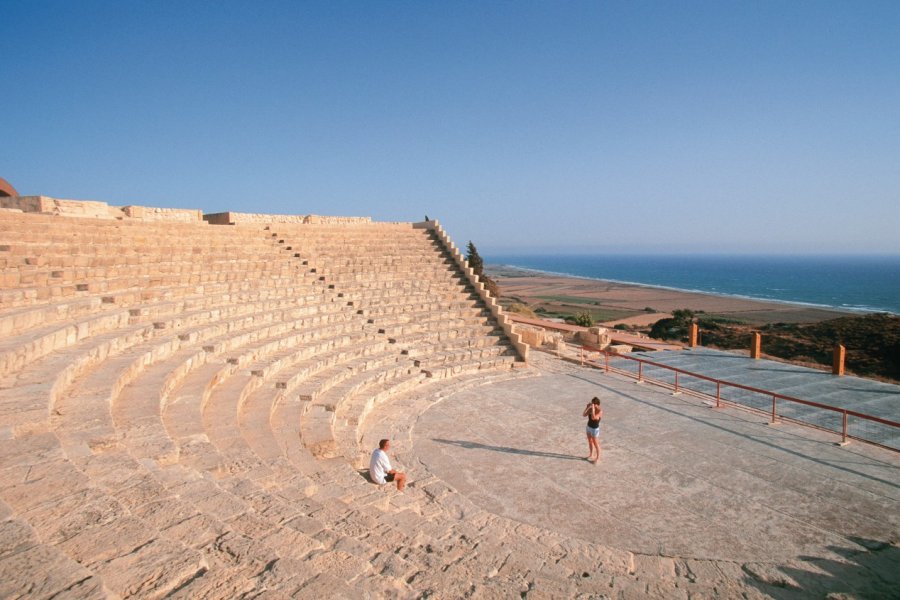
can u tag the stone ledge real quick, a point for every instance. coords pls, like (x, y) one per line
(236, 218)
(150, 213)
(97, 210)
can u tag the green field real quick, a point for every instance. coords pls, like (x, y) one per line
(599, 314)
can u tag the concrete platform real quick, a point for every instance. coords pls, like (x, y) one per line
(677, 477)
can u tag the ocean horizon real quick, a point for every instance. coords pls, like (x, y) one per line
(856, 283)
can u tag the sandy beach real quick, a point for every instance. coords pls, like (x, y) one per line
(613, 303)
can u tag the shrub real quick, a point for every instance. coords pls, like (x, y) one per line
(522, 309)
(477, 264)
(584, 319)
(666, 329)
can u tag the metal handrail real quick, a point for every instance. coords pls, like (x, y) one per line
(845, 413)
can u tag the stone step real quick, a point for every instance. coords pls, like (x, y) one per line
(18, 320)
(140, 404)
(137, 294)
(18, 351)
(59, 575)
(282, 405)
(318, 419)
(203, 411)
(472, 365)
(436, 358)
(316, 384)
(194, 270)
(88, 526)
(448, 328)
(380, 308)
(419, 344)
(353, 410)
(399, 296)
(414, 268)
(362, 262)
(101, 285)
(436, 318)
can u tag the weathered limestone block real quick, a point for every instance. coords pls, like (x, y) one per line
(595, 336)
(620, 348)
(538, 336)
(152, 213)
(153, 570)
(236, 218)
(28, 204)
(59, 576)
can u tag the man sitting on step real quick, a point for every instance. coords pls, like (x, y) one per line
(380, 467)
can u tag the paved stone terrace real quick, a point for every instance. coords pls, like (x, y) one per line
(853, 393)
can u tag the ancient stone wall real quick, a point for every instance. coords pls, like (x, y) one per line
(236, 218)
(150, 213)
(98, 210)
(56, 206)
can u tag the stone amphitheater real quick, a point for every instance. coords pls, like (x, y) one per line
(188, 404)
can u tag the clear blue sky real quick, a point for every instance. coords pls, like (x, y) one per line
(635, 126)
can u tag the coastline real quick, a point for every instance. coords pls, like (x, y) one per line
(627, 302)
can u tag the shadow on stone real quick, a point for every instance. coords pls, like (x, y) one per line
(478, 446)
(868, 573)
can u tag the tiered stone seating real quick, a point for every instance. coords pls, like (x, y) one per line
(179, 402)
(402, 281)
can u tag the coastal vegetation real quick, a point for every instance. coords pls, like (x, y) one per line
(521, 309)
(477, 265)
(582, 319)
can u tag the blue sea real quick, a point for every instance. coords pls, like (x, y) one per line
(854, 283)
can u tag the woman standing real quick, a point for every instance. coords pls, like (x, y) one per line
(594, 413)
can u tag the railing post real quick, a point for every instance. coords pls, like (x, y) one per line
(773, 410)
(582, 356)
(755, 344)
(718, 394)
(676, 392)
(640, 372)
(837, 361)
(606, 355)
(844, 440)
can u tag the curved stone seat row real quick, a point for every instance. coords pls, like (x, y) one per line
(31, 294)
(210, 498)
(197, 438)
(173, 266)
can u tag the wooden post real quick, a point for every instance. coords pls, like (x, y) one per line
(755, 344)
(837, 363)
(692, 343)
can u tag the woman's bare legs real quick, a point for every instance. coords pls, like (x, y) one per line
(592, 446)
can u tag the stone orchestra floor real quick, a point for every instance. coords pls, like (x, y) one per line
(677, 477)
